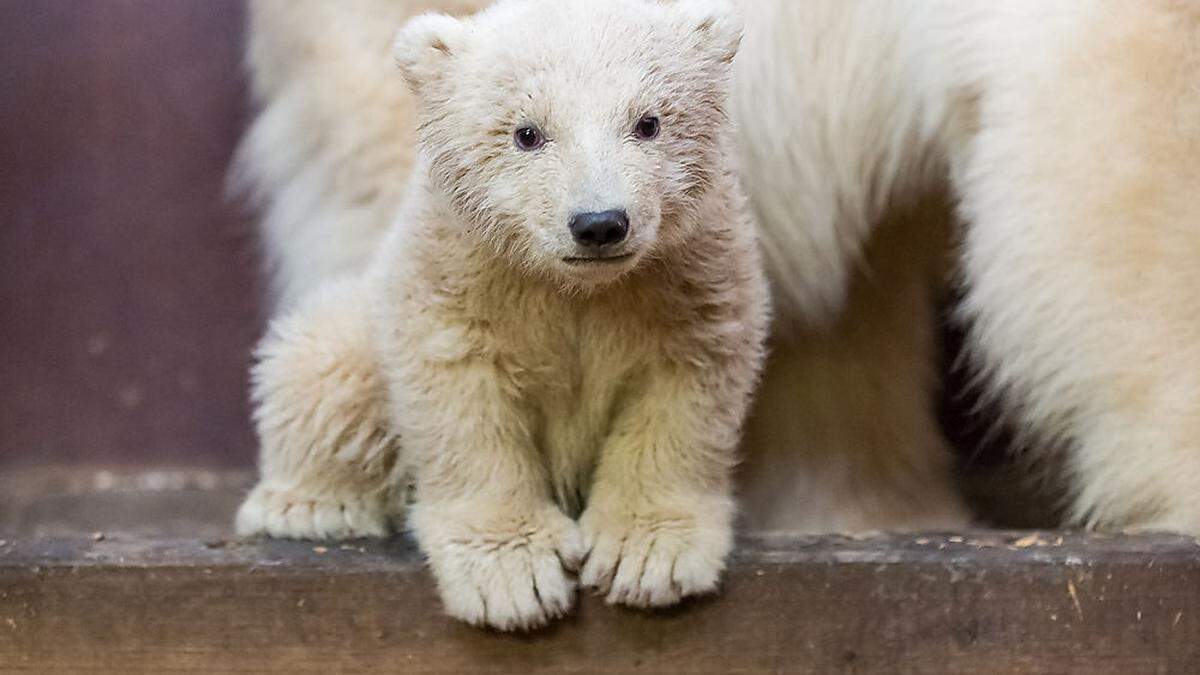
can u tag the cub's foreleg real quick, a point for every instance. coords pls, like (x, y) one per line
(500, 548)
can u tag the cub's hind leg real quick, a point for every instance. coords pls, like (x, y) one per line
(329, 462)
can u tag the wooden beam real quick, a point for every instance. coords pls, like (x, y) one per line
(984, 602)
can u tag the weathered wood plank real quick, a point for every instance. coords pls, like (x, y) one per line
(984, 603)
(165, 589)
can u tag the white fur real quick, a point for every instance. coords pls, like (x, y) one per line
(1066, 129)
(328, 182)
(839, 117)
(835, 138)
(1083, 252)
(817, 466)
(329, 461)
(528, 388)
(1069, 132)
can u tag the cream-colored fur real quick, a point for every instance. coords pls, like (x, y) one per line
(1083, 251)
(528, 388)
(824, 452)
(1069, 133)
(329, 465)
(328, 157)
(1066, 130)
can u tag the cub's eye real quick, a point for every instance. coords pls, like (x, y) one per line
(529, 139)
(647, 128)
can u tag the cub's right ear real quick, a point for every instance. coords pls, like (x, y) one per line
(425, 45)
(716, 23)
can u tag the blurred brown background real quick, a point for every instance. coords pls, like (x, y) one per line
(128, 285)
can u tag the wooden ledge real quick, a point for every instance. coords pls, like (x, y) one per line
(123, 601)
(996, 603)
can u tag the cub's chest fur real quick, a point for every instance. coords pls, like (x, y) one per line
(563, 351)
(575, 362)
(553, 344)
(580, 384)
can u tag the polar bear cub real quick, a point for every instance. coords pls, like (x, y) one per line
(559, 339)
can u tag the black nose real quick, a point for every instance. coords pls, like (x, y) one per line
(600, 229)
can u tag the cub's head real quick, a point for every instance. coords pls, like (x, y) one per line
(576, 137)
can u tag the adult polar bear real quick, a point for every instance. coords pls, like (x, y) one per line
(1067, 132)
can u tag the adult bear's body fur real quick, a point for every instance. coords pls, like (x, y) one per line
(1068, 132)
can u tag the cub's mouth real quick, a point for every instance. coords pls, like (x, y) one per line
(598, 259)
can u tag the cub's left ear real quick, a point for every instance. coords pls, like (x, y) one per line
(717, 24)
(425, 46)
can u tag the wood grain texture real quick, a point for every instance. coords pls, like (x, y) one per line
(121, 571)
(988, 603)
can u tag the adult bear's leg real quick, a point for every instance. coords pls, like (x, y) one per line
(838, 123)
(1083, 249)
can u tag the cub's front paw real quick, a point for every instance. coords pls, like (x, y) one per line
(290, 514)
(510, 572)
(653, 558)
